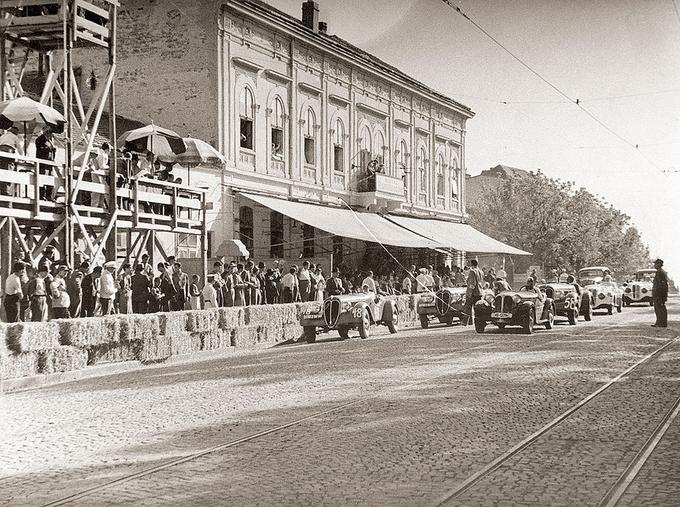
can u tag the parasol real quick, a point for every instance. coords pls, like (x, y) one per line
(197, 152)
(25, 110)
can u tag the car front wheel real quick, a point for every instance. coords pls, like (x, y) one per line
(618, 307)
(572, 316)
(480, 325)
(365, 325)
(587, 313)
(610, 309)
(343, 331)
(310, 334)
(392, 324)
(424, 321)
(551, 320)
(528, 325)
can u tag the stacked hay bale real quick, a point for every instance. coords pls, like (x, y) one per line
(34, 348)
(173, 326)
(207, 327)
(144, 330)
(101, 337)
(23, 345)
(268, 325)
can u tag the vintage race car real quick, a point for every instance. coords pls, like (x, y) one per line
(639, 290)
(602, 297)
(511, 308)
(607, 295)
(350, 311)
(446, 305)
(567, 300)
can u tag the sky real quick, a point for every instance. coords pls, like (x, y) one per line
(619, 58)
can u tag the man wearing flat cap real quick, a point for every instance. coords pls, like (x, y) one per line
(660, 294)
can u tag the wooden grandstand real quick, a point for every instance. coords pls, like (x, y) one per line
(91, 212)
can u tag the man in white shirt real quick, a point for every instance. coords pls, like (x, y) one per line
(14, 293)
(304, 282)
(368, 281)
(60, 298)
(422, 281)
(107, 288)
(289, 282)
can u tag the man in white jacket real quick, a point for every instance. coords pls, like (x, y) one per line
(107, 288)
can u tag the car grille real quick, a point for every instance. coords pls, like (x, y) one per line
(503, 304)
(443, 302)
(636, 291)
(331, 311)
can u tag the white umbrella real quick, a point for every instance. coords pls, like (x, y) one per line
(157, 140)
(198, 152)
(25, 110)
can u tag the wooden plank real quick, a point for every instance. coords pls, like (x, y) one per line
(104, 13)
(47, 241)
(20, 237)
(85, 25)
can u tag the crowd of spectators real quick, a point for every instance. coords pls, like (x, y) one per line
(54, 290)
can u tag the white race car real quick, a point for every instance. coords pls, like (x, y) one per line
(604, 294)
(639, 290)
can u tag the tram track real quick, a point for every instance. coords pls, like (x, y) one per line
(618, 489)
(545, 339)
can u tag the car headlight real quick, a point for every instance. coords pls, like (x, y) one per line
(488, 298)
(516, 298)
(627, 289)
(346, 305)
(455, 298)
(609, 294)
(644, 291)
(601, 296)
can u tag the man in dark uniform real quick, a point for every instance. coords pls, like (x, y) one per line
(660, 294)
(475, 287)
(334, 284)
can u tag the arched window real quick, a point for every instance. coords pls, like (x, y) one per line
(246, 107)
(380, 148)
(403, 156)
(455, 176)
(365, 147)
(245, 221)
(422, 172)
(310, 138)
(440, 176)
(278, 122)
(339, 147)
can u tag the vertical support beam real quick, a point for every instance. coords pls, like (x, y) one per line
(111, 242)
(204, 243)
(5, 251)
(68, 107)
(294, 162)
(3, 66)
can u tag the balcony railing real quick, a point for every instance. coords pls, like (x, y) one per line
(338, 180)
(381, 183)
(278, 167)
(247, 158)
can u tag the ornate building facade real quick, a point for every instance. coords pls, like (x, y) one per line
(299, 114)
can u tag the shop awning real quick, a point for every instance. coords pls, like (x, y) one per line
(345, 222)
(461, 237)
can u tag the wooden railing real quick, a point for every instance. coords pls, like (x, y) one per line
(142, 202)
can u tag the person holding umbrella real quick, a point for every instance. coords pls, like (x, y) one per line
(46, 150)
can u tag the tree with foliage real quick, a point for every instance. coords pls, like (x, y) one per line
(562, 226)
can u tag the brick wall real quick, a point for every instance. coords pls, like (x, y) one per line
(167, 65)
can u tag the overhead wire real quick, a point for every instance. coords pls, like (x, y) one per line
(554, 87)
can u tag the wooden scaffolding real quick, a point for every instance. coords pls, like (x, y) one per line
(90, 209)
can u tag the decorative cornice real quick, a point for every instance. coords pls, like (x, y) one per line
(246, 64)
(402, 123)
(277, 76)
(373, 110)
(310, 88)
(339, 100)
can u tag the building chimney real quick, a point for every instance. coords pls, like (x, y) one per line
(310, 15)
(323, 27)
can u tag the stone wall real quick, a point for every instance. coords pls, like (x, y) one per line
(35, 348)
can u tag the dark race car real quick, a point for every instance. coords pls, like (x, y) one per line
(350, 311)
(446, 305)
(566, 299)
(510, 308)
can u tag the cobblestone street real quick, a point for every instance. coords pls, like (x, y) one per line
(416, 418)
